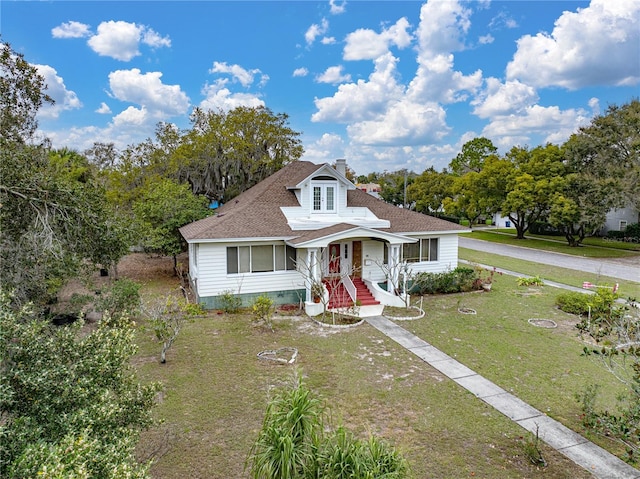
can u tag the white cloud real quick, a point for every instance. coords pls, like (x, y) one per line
(498, 98)
(325, 149)
(443, 26)
(328, 40)
(242, 75)
(132, 116)
(363, 100)
(551, 124)
(403, 122)
(121, 40)
(219, 97)
(315, 31)
(154, 39)
(333, 75)
(597, 45)
(56, 89)
(502, 20)
(104, 109)
(300, 72)
(441, 31)
(147, 90)
(71, 29)
(365, 44)
(337, 9)
(486, 39)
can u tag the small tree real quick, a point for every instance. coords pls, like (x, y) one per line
(166, 318)
(263, 309)
(615, 330)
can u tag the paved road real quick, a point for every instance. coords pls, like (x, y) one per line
(621, 268)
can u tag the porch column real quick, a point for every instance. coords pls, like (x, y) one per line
(312, 265)
(394, 266)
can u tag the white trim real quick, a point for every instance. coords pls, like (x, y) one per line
(356, 232)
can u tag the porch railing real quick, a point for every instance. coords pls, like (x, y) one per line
(350, 287)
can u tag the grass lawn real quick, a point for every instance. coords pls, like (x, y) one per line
(216, 388)
(592, 248)
(552, 273)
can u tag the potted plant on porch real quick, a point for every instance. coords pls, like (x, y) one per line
(316, 291)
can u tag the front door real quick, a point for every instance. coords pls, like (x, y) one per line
(334, 258)
(356, 259)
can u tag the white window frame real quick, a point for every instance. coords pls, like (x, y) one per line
(324, 187)
(425, 249)
(248, 267)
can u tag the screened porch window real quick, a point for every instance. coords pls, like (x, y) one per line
(260, 258)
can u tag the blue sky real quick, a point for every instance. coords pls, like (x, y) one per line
(385, 84)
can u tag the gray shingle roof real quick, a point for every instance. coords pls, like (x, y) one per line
(256, 212)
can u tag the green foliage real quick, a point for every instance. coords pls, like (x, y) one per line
(22, 92)
(70, 402)
(120, 298)
(226, 153)
(573, 302)
(288, 441)
(262, 309)
(458, 280)
(428, 191)
(164, 206)
(531, 447)
(615, 328)
(229, 302)
(54, 218)
(530, 281)
(295, 442)
(342, 456)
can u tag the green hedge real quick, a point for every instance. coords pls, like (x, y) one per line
(458, 280)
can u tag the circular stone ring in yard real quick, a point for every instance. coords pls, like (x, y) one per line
(281, 355)
(543, 323)
(417, 313)
(466, 311)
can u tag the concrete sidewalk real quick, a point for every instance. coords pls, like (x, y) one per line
(593, 458)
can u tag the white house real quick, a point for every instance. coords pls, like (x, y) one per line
(618, 218)
(306, 223)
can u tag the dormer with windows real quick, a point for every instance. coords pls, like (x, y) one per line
(323, 202)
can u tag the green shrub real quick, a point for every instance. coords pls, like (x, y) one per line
(296, 442)
(262, 309)
(573, 302)
(458, 280)
(531, 281)
(229, 302)
(122, 297)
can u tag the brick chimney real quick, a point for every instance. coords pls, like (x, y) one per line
(341, 166)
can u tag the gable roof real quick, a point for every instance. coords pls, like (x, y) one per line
(256, 212)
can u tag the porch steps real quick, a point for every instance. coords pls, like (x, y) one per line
(339, 297)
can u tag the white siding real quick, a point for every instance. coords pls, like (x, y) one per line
(628, 214)
(214, 280)
(447, 256)
(372, 258)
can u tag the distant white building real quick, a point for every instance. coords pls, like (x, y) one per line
(619, 218)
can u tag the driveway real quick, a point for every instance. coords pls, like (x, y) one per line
(621, 268)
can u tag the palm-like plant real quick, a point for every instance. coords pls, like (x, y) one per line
(292, 444)
(287, 443)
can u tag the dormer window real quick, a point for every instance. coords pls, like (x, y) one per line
(324, 199)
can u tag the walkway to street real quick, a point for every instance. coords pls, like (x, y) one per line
(593, 458)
